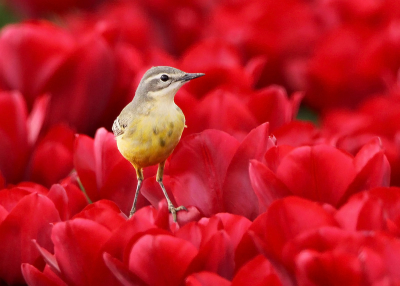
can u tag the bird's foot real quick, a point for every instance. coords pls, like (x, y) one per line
(173, 210)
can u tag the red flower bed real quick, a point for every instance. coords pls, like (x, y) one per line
(271, 199)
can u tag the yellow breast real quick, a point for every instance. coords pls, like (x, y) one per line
(149, 139)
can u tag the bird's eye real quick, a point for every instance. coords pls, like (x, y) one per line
(164, 77)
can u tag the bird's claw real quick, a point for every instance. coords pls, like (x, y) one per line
(173, 210)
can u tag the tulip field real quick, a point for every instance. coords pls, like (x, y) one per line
(289, 166)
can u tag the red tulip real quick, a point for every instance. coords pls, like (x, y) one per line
(272, 105)
(20, 222)
(104, 173)
(113, 21)
(57, 144)
(23, 151)
(336, 257)
(222, 110)
(198, 233)
(197, 170)
(320, 173)
(238, 112)
(19, 69)
(34, 277)
(259, 271)
(372, 50)
(287, 218)
(239, 198)
(284, 32)
(148, 257)
(299, 133)
(76, 198)
(72, 69)
(222, 65)
(77, 244)
(179, 23)
(376, 209)
(216, 153)
(14, 143)
(77, 258)
(375, 117)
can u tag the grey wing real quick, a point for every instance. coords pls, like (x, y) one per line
(118, 127)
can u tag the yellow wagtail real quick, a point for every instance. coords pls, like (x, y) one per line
(150, 126)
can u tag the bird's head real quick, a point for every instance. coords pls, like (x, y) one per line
(163, 81)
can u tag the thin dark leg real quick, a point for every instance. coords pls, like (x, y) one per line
(171, 207)
(139, 173)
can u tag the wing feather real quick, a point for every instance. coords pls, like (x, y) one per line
(118, 127)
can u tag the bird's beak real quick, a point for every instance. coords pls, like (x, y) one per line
(190, 76)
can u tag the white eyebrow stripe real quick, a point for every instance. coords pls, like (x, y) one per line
(154, 76)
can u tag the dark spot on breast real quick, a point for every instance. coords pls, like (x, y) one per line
(171, 125)
(131, 130)
(162, 142)
(155, 130)
(170, 132)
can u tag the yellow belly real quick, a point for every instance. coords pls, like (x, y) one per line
(149, 140)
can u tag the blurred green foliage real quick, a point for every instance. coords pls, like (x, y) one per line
(306, 114)
(6, 15)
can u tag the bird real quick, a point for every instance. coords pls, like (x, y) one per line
(149, 128)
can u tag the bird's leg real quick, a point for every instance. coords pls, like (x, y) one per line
(139, 173)
(171, 207)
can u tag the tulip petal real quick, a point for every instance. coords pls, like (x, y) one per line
(338, 268)
(370, 210)
(161, 259)
(237, 185)
(9, 198)
(122, 235)
(266, 185)
(85, 165)
(274, 156)
(13, 137)
(258, 271)
(36, 118)
(76, 198)
(235, 226)
(30, 55)
(34, 277)
(272, 105)
(121, 271)
(216, 255)
(59, 197)
(105, 213)
(205, 278)
(367, 152)
(225, 111)
(321, 173)
(49, 258)
(88, 72)
(23, 224)
(374, 170)
(298, 133)
(56, 144)
(104, 173)
(285, 219)
(77, 245)
(197, 170)
(3, 213)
